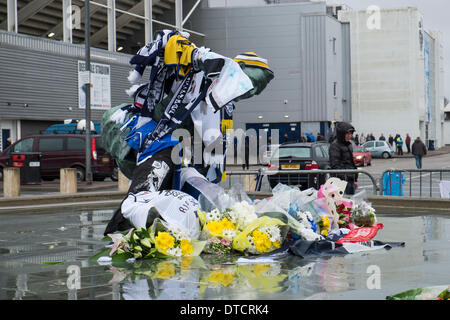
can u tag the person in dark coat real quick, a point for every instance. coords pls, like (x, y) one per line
(356, 139)
(418, 149)
(341, 155)
(391, 141)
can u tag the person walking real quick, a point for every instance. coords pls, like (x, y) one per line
(408, 143)
(341, 155)
(356, 139)
(399, 143)
(419, 150)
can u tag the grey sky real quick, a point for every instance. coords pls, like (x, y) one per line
(435, 17)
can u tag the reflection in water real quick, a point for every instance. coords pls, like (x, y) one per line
(199, 278)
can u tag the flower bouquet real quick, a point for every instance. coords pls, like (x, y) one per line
(136, 243)
(220, 228)
(345, 214)
(173, 241)
(261, 236)
(324, 225)
(363, 215)
(304, 226)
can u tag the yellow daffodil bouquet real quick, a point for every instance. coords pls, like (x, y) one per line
(173, 241)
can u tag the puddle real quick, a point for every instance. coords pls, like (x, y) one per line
(51, 261)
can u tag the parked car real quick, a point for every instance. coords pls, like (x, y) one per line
(361, 156)
(63, 151)
(379, 149)
(300, 156)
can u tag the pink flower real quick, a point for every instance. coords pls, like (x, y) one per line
(225, 242)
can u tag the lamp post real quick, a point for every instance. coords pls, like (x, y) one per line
(88, 94)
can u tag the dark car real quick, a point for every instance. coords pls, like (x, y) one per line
(300, 156)
(361, 156)
(63, 151)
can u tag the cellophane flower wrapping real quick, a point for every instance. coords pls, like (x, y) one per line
(291, 202)
(174, 241)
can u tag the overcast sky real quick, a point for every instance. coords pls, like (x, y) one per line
(436, 16)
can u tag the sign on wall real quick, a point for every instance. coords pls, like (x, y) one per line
(100, 85)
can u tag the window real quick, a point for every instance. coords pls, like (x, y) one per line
(76, 144)
(379, 144)
(335, 89)
(26, 145)
(304, 152)
(50, 144)
(369, 144)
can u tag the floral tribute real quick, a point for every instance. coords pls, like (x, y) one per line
(257, 228)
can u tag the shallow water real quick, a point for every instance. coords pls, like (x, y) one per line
(45, 256)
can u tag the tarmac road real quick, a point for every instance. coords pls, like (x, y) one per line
(429, 162)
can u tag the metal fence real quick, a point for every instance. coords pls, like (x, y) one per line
(314, 177)
(413, 182)
(393, 182)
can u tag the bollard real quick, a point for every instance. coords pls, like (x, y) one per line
(11, 182)
(123, 182)
(68, 180)
(248, 182)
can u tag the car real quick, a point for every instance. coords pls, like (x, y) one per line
(59, 151)
(361, 156)
(379, 149)
(300, 156)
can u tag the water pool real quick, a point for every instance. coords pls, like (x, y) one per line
(46, 256)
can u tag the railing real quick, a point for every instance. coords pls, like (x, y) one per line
(393, 180)
(325, 174)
